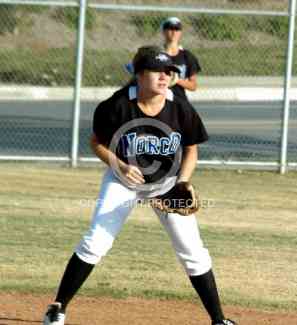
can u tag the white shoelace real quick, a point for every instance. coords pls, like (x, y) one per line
(228, 322)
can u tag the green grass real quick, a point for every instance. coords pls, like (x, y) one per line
(226, 45)
(250, 229)
(105, 67)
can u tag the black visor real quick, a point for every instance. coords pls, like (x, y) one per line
(158, 61)
(169, 25)
(172, 23)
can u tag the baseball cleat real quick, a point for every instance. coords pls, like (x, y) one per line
(54, 316)
(225, 322)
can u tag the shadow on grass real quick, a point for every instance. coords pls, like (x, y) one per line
(23, 321)
(17, 320)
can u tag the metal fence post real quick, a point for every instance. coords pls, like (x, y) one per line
(78, 81)
(287, 87)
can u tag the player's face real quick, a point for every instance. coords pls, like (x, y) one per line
(155, 82)
(172, 35)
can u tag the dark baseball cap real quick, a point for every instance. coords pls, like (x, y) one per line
(171, 23)
(154, 59)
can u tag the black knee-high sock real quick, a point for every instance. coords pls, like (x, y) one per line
(206, 288)
(74, 276)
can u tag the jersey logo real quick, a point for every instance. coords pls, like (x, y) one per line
(133, 145)
(183, 70)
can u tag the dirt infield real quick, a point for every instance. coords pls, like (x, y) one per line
(28, 309)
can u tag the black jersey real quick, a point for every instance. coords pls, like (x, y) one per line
(145, 139)
(188, 65)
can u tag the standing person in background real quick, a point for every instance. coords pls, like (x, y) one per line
(184, 59)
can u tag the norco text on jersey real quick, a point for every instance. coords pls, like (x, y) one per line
(149, 144)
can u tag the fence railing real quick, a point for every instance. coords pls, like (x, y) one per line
(246, 84)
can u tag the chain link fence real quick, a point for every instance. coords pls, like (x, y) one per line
(38, 44)
(292, 135)
(227, 46)
(236, 49)
(38, 48)
(258, 5)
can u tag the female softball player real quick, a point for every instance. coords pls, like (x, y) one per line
(148, 139)
(188, 64)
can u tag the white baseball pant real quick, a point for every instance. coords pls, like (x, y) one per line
(114, 204)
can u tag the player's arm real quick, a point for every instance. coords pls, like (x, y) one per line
(188, 165)
(132, 173)
(193, 68)
(102, 152)
(189, 83)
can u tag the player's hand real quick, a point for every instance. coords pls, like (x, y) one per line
(132, 174)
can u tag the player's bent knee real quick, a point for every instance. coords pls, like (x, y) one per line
(92, 251)
(196, 264)
(91, 256)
